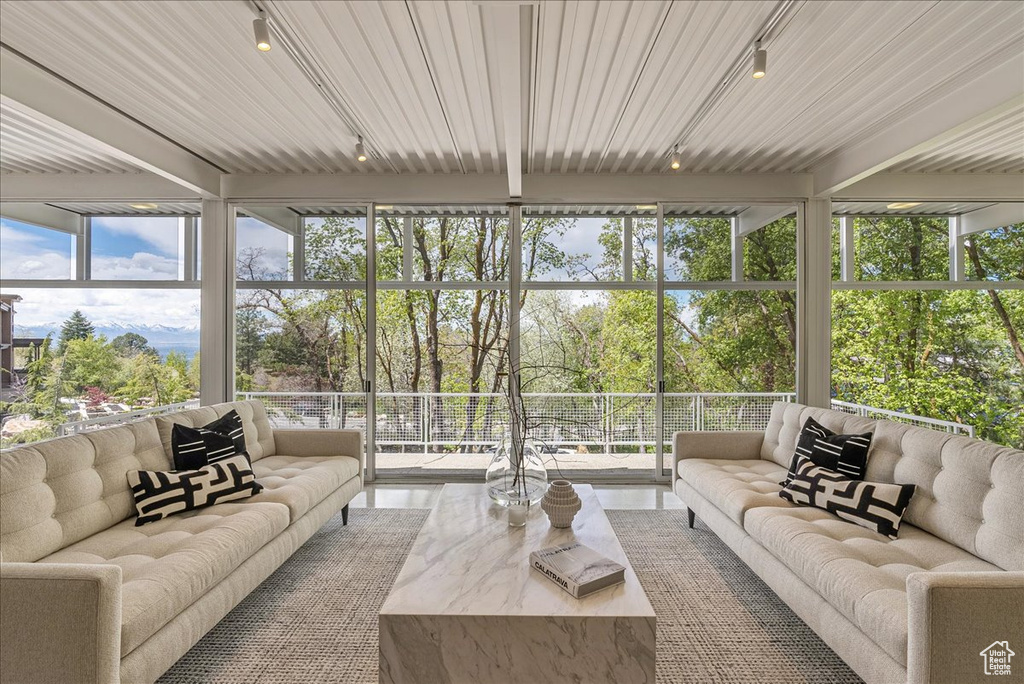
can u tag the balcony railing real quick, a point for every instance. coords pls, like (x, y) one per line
(122, 418)
(426, 421)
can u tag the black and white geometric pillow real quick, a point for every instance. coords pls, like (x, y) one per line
(195, 447)
(878, 506)
(159, 494)
(845, 454)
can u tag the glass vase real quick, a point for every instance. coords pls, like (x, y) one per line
(510, 479)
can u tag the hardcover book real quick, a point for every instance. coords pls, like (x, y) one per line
(578, 569)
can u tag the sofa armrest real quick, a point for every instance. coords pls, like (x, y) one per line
(60, 622)
(737, 445)
(954, 616)
(315, 442)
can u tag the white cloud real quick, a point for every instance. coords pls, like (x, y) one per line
(21, 256)
(159, 231)
(139, 266)
(172, 308)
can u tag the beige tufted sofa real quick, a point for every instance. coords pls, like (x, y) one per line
(85, 596)
(920, 608)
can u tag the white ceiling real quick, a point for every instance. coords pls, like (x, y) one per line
(612, 85)
(31, 146)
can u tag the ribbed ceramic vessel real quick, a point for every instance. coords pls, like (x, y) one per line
(561, 503)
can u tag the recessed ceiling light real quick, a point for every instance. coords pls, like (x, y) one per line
(385, 207)
(647, 207)
(144, 205)
(902, 205)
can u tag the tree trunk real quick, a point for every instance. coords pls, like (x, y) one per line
(997, 304)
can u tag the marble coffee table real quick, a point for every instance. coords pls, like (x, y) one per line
(467, 607)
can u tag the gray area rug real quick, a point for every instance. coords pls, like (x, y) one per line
(315, 619)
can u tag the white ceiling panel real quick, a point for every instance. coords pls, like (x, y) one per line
(190, 71)
(612, 84)
(31, 146)
(841, 70)
(997, 147)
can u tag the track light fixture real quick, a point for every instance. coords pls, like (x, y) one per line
(760, 61)
(676, 161)
(360, 150)
(261, 29)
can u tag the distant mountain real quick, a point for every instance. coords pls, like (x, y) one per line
(162, 337)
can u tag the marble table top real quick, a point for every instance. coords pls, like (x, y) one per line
(468, 561)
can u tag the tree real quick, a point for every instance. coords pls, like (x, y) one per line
(76, 327)
(130, 344)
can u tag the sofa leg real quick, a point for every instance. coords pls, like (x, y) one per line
(344, 515)
(690, 515)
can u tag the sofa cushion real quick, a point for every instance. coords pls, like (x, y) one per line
(169, 564)
(301, 482)
(735, 486)
(259, 436)
(861, 573)
(58, 492)
(878, 506)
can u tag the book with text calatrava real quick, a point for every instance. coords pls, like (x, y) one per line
(577, 568)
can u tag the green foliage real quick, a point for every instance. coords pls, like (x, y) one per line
(77, 327)
(130, 344)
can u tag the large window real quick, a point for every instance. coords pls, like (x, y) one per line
(947, 351)
(98, 330)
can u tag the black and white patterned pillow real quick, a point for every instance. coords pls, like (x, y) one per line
(845, 454)
(159, 494)
(878, 506)
(195, 447)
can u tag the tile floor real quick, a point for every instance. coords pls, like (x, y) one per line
(640, 497)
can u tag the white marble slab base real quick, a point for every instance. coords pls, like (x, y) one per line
(467, 607)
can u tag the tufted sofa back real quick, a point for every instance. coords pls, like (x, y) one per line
(61, 491)
(58, 492)
(969, 492)
(259, 436)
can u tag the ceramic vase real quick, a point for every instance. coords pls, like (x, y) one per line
(561, 503)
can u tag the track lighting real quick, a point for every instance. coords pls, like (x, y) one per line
(360, 150)
(760, 61)
(676, 161)
(261, 28)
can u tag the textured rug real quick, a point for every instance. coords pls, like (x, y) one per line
(315, 619)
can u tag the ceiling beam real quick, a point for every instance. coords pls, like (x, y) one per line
(43, 215)
(936, 187)
(282, 218)
(995, 216)
(964, 109)
(753, 219)
(511, 52)
(42, 95)
(92, 187)
(537, 188)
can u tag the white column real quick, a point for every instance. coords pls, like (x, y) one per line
(83, 250)
(407, 254)
(956, 250)
(217, 310)
(371, 343)
(737, 249)
(814, 303)
(298, 245)
(627, 249)
(846, 249)
(187, 248)
(659, 351)
(515, 267)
